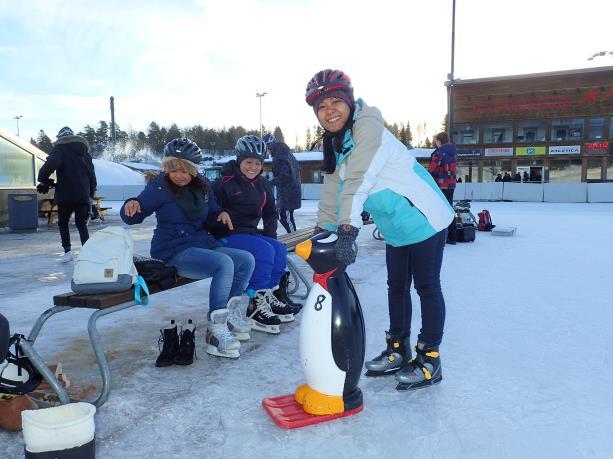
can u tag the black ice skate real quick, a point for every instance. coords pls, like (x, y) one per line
(187, 345)
(278, 308)
(283, 296)
(169, 340)
(424, 370)
(391, 359)
(262, 317)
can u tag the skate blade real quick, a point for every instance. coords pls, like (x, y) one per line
(242, 336)
(377, 374)
(420, 385)
(212, 350)
(272, 329)
(285, 318)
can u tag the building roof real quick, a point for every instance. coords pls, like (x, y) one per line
(460, 81)
(23, 144)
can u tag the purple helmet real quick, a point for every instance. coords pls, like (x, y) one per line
(327, 81)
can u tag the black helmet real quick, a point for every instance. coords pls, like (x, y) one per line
(250, 146)
(183, 149)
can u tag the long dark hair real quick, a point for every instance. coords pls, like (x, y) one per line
(333, 141)
(197, 184)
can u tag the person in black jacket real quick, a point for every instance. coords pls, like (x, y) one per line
(76, 184)
(287, 180)
(247, 196)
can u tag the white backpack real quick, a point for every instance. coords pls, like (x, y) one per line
(105, 263)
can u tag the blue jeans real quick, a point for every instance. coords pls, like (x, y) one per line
(229, 268)
(421, 263)
(270, 258)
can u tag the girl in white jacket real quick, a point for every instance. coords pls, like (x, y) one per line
(367, 168)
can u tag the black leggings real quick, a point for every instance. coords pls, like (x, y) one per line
(419, 263)
(5, 334)
(81, 212)
(286, 217)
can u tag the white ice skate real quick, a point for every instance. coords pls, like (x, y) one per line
(220, 341)
(238, 323)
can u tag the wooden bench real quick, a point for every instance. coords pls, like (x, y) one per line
(48, 209)
(113, 302)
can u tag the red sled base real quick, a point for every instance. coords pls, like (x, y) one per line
(287, 413)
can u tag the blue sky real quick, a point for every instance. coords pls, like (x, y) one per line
(201, 62)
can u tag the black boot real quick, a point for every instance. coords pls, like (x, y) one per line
(169, 340)
(395, 355)
(424, 370)
(187, 345)
(283, 296)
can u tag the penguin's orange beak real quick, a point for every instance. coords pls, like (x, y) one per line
(303, 250)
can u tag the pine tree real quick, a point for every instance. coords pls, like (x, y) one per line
(88, 134)
(278, 134)
(102, 133)
(307, 142)
(155, 140)
(173, 133)
(409, 135)
(44, 142)
(33, 142)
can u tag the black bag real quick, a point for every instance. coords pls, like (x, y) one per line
(465, 232)
(156, 272)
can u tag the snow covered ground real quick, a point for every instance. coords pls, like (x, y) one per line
(527, 354)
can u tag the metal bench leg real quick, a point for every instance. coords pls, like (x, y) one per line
(299, 278)
(98, 347)
(42, 319)
(44, 370)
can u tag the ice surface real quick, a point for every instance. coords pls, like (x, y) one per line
(527, 353)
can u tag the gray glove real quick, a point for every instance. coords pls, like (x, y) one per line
(345, 245)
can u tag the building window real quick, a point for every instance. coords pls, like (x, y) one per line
(16, 165)
(318, 176)
(491, 169)
(593, 168)
(498, 133)
(609, 168)
(465, 134)
(611, 127)
(564, 170)
(467, 170)
(595, 128)
(531, 131)
(568, 129)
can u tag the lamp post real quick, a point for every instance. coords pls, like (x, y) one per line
(450, 76)
(259, 95)
(17, 118)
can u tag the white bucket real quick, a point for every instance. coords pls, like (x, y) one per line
(58, 428)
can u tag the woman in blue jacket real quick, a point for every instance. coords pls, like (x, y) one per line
(368, 169)
(186, 212)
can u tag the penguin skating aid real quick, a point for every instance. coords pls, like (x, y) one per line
(331, 344)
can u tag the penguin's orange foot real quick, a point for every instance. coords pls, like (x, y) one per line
(314, 402)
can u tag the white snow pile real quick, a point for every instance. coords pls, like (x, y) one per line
(110, 173)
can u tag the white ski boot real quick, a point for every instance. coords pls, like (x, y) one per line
(237, 319)
(220, 341)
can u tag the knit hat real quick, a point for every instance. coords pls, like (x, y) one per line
(339, 94)
(64, 132)
(172, 164)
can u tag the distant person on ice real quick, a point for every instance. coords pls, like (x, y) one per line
(367, 168)
(76, 184)
(287, 181)
(186, 212)
(443, 165)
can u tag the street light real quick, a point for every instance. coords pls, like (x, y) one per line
(450, 76)
(259, 95)
(17, 118)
